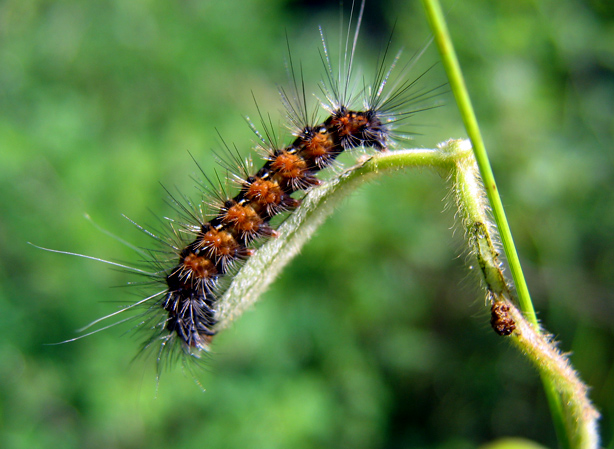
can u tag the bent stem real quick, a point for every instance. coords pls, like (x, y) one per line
(578, 414)
(261, 269)
(565, 431)
(454, 160)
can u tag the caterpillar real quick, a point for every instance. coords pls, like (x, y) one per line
(200, 251)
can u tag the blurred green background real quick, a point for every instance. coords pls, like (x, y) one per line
(375, 336)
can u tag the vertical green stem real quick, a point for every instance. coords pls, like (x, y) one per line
(457, 83)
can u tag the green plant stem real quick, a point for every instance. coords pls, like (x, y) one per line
(262, 268)
(457, 83)
(480, 234)
(580, 416)
(455, 161)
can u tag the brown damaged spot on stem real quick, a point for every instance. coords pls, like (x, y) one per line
(500, 319)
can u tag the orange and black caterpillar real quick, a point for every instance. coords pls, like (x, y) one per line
(220, 242)
(192, 286)
(203, 250)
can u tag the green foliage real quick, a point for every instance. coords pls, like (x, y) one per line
(373, 337)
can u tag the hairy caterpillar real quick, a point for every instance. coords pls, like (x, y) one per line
(201, 250)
